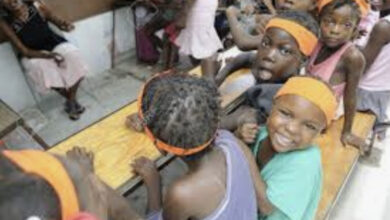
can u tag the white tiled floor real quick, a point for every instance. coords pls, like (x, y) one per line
(367, 193)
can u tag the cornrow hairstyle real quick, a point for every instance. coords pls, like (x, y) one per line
(181, 110)
(302, 18)
(335, 4)
(24, 195)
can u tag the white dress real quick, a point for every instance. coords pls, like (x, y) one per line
(199, 38)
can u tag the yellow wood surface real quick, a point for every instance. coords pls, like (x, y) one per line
(114, 145)
(230, 81)
(337, 160)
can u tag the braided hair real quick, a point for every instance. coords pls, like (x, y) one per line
(181, 110)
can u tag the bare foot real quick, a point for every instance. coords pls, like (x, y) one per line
(83, 157)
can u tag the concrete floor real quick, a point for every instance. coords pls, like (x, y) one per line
(366, 196)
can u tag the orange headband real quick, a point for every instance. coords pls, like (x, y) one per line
(159, 143)
(313, 90)
(364, 6)
(51, 170)
(307, 41)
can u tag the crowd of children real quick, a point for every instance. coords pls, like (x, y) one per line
(312, 63)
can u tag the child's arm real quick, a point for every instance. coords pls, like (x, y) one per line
(244, 60)
(243, 40)
(50, 16)
(378, 38)
(270, 6)
(263, 204)
(354, 66)
(148, 171)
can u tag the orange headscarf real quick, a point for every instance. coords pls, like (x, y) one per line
(314, 90)
(364, 5)
(307, 41)
(51, 170)
(179, 151)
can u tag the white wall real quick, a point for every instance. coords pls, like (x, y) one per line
(94, 38)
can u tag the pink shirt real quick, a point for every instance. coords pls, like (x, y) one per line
(327, 68)
(377, 78)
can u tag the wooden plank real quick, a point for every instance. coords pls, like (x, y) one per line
(338, 161)
(114, 145)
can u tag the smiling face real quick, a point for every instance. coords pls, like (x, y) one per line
(298, 5)
(294, 123)
(278, 57)
(338, 26)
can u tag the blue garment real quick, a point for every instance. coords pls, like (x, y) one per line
(239, 202)
(294, 182)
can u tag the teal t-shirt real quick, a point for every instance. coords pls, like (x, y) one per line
(294, 182)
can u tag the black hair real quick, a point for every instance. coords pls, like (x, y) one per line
(302, 18)
(24, 195)
(335, 4)
(181, 110)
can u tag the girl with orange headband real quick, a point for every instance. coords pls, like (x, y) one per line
(180, 114)
(36, 185)
(287, 43)
(338, 61)
(285, 164)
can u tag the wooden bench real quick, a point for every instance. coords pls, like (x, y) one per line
(338, 161)
(115, 146)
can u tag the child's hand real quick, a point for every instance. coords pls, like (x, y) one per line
(348, 138)
(66, 26)
(134, 122)
(147, 170)
(247, 132)
(233, 11)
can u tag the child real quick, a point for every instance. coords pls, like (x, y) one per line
(180, 113)
(285, 164)
(199, 39)
(248, 42)
(337, 61)
(37, 185)
(48, 58)
(374, 87)
(288, 41)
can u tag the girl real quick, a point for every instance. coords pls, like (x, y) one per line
(48, 58)
(180, 114)
(288, 41)
(285, 164)
(336, 60)
(199, 39)
(374, 87)
(248, 42)
(37, 185)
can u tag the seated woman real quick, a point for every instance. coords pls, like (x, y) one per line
(50, 61)
(285, 164)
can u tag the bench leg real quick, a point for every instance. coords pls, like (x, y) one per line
(35, 136)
